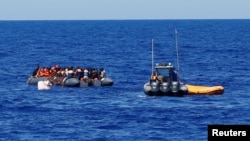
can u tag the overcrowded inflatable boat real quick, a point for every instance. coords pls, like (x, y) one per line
(70, 77)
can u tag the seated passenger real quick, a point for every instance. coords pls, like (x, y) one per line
(85, 73)
(55, 68)
(153, 77)
(46, 72)
(40, 72)
(78, 73)
(70, 72)
(94, 73)
(160, 78)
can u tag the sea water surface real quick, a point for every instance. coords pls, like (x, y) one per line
(210, 52)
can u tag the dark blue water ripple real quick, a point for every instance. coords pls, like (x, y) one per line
(212, 52)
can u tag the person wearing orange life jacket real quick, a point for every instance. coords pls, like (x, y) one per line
(46, 72)
(153, 77)
(40, 72)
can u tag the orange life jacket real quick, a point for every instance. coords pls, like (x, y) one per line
(46, 73)
(153, 77)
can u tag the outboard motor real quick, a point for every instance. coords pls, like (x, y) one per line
(175, 87)
(164, 87)
(155, 87)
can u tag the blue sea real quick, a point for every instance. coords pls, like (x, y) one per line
(210, 52)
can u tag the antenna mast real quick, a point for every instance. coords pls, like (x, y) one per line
(177, 55)
(152, 56)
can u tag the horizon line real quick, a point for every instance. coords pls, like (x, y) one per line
(122, 19)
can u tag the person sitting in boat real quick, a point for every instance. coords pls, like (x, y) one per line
(60, 73)
(63, 72)
(153, 77)
(43, 72)
(70, 72)
(85, 73)
(85, 76)
(55, 68)
(47, 72)
(78, 73)
(94, 73)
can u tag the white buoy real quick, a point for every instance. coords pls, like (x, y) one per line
(44, 85)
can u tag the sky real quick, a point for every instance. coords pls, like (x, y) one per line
(123, 9)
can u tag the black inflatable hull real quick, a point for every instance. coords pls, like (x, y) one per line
(74, 82)
(34, 80)
(68, 82)
(71, 82)
(107, 82)
(103, 82)
(160, 92)
(176, 94)
(97, 83)
(85, 83)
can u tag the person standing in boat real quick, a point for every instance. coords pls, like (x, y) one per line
(174, 75)
(34, 73)
(102, 73)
